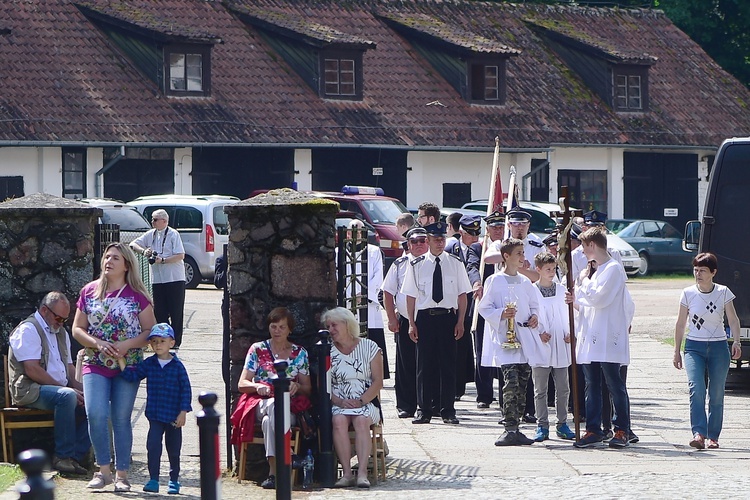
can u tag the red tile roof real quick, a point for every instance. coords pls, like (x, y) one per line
(63, 80)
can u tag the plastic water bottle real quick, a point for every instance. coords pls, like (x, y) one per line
(307, 471)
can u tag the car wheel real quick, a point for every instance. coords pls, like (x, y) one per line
(643, 270)
(192, 274)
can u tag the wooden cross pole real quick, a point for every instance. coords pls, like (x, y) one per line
(565, 261)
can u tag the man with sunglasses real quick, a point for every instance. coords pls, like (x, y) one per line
(398, 322)
(42, 376)
(163, 246)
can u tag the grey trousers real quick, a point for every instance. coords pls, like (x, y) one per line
(540, 376)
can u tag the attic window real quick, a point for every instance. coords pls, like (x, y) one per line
(342, 75)
(188, 70)
(487, 82)
(630, 88)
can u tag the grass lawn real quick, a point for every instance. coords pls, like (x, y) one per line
(9, 475)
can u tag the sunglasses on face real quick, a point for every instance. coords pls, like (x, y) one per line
(418, 240)
(58, 318)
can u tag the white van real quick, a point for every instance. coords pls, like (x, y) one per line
(202, 224)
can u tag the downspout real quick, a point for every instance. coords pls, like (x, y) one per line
(99, 177)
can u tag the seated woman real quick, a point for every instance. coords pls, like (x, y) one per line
(356, 380)
(259, 370)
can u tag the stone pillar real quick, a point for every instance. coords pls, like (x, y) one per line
(280, 253)
(46, 243)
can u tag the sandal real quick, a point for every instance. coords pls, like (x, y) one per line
(698, 442)
(712, 444)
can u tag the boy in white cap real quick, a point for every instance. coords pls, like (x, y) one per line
(168, 396)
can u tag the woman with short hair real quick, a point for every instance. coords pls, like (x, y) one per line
(706, 348)
(356, 380)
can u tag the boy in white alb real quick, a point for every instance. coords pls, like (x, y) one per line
(502, 288)
(605, 313)
(553, 314)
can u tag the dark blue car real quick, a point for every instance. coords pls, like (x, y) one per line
(658, 243)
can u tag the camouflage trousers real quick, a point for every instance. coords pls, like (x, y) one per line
(516, 377)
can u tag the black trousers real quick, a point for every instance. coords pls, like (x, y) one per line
(169, 306)
(406, 369)
(436, 363)
(465, 355)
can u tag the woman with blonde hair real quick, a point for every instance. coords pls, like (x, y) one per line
(113, 321)
(356, 380)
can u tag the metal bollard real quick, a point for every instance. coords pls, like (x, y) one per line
(326, 459)
(281, 408)
(208, 437)
(34, 487)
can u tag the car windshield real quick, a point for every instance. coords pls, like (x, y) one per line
(618, 225)
(384, 211)
(128, 219)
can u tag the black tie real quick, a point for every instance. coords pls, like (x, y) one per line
(437, 282)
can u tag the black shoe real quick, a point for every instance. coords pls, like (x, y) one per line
(529, 419)
(608, 434)
(422, 419)
(508, 438)
(405, 414)
(632, 438)
(269, 483)
(482, 405)
(450, 420)
(522, 439)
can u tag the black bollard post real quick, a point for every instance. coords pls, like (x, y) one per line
(326, 460)
(281, 406)
(34, 487)
(208, 437)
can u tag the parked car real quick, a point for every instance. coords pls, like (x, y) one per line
(542, 224)
(372, 206)
(658, 243)
(202, 224)
(131, 221)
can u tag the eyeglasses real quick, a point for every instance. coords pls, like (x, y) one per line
(58, 318)
(421, 240)
(420, 217)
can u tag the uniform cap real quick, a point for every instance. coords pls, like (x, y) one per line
(496, 218)
(436, 228)
(472, 224)
(594, 218)
(518, 216)
(415, 231)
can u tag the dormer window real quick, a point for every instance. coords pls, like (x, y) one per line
(177, 58)
(487, 82)
(629, 88)
(328, 60)
(188, 70)
(342, 75)
(474, 65)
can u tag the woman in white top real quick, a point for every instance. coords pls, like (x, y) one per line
(356, 380)
(706, 348)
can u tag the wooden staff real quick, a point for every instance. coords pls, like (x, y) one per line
(565, 259)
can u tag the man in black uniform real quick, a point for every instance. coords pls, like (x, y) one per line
(435, 286)
(469, 227)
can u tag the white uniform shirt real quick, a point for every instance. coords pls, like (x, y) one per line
(418, 281)
(706, 312)
(166, 245)
(394, 278)
(606, 311)
(27, 346)
(553, 313)
(496, 295)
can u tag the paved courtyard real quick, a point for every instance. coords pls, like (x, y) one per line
(462, 462)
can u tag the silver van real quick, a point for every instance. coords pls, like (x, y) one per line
(202, 224)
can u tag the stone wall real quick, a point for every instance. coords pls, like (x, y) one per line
(46, 243)
(280, 253)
